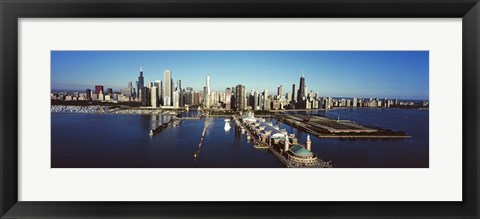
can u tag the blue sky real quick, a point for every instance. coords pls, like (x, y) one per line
(390, 74)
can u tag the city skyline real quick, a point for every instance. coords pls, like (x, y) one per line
(389, 74)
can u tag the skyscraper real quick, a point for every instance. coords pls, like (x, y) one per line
(207, 93)
(176, 98)
(255, 101)
(128, 91)
(266, 105)
(180, 93)
(99, 89)
(89, 94)
(158, 84)
(154, 96)
(280, 91)
(301, 89)
(167, 88)
(294, 92)
(251, 99)
(140, 82)
(266, 101)
(145, 96)
(228, 97)
(240, 98)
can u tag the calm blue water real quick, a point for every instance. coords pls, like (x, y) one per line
(122, 141)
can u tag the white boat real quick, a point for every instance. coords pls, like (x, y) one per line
(227, 125)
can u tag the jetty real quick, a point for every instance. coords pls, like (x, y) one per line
(159, 128)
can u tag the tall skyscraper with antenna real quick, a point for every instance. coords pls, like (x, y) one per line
(140, 84)
(301, 89)
(167, 88)
(207, 93)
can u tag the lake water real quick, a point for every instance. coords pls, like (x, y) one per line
(122, 141)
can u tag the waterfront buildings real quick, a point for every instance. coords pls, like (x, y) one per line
(165, 94)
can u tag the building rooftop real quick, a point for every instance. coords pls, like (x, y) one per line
(274, 133)
(300, 151)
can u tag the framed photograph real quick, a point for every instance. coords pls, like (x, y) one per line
(239, 109)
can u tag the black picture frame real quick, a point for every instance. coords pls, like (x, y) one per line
(11, 11)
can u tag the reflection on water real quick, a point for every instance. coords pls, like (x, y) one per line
(110, 140)
(158, 120)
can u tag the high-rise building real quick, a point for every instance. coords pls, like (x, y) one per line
(294, 96)
(128, 91)
(89, 94)
(207, 98)
(251, 99)
(158, 84)
(301, 89)
(167, 88)
(196, 98)
(145, 96)
(137, 91)
(280, 91)
(140, 84)
(355, 102)
(228, 97)
(266, 103)
(240, 98)
(255, 101)
(180, 94)
(98, 89)
(176, 98)
(109, 91)
(154, 96)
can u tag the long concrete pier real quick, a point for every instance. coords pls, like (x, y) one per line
(350, 130)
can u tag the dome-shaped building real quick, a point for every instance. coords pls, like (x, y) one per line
(300, 156)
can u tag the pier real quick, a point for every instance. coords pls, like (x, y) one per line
(329, 128)
(282, 156)
(159, 128)
(199, 147)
